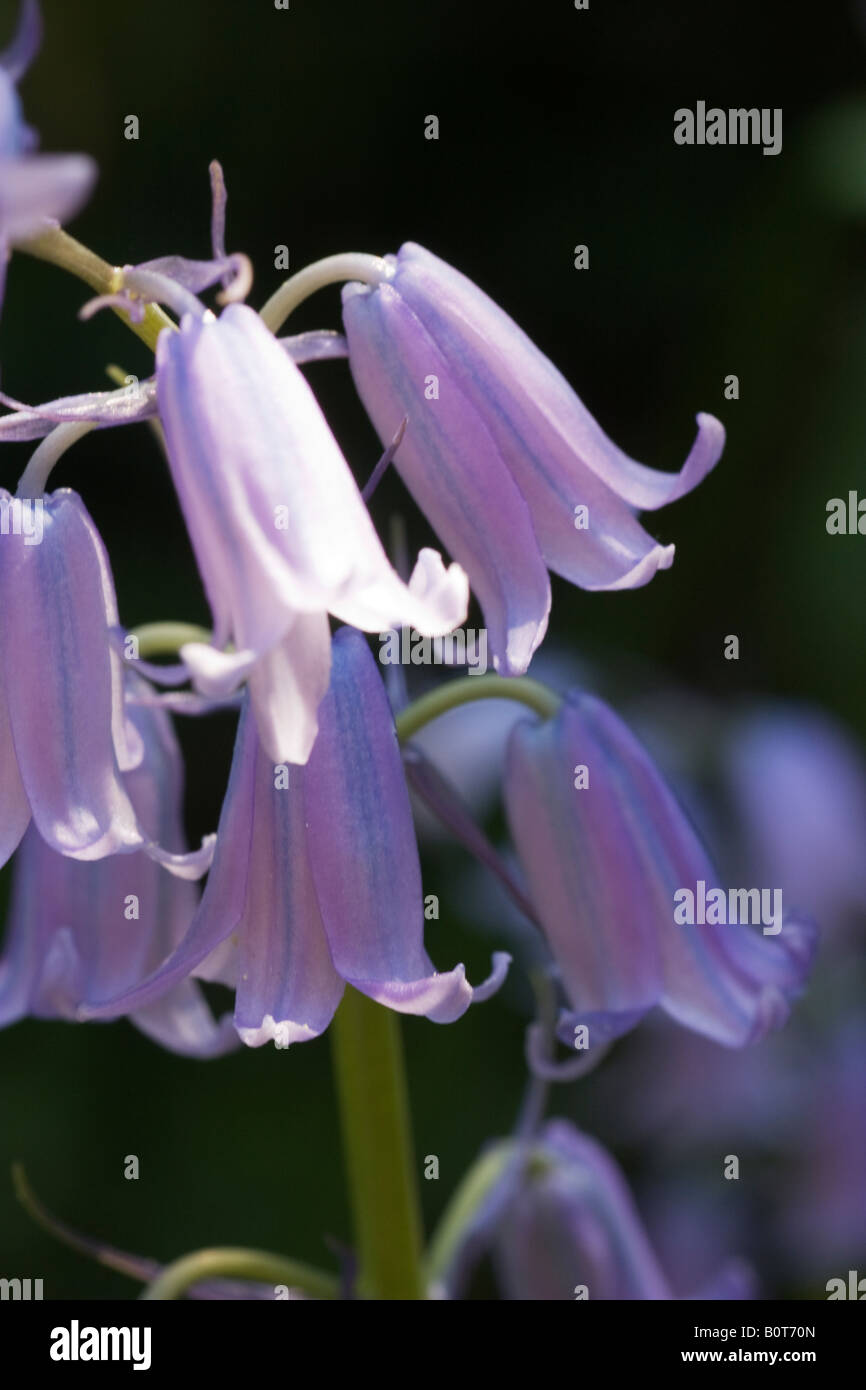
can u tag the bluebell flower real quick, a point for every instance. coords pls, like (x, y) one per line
(278, 525)
(80, 933)
(316, 881)
(605, 848)
(560, 1223)
(511, 469)
(65, 737)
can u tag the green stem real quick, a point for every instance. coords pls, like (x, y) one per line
(333, 270)
(60, 249)
(133, 1266)
(474, 1187)
(166, 639)
(460, 692)
(175, 1278)
(377, 1140)
(236, 1263)
(34, 480)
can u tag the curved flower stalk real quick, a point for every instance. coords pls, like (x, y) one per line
(513, 472)
(79, 933)
(262, 1275)
(65, 739)
(32, 186)
(316, 880)
(467, 743)
(560, 1223)
(605, 847)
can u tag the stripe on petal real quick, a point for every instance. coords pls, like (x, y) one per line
(532, 403)
(604, 863)
(451, 465)
(62, 683)
(14, 806)
(222, 903)
(362, 844)
(287, 987)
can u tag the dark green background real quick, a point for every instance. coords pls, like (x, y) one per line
(556, 129)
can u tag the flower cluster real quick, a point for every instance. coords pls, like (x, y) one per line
(314, 873)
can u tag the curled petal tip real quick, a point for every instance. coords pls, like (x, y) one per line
(444, 592)
(442, 998)
(282, 1034)
(661, 557)
(191, 865)
(215, 673)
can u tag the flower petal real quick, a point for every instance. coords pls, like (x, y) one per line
(612, 550)
(604, 863)
(216, 673)
(575, 1223)
(584, 869)
(125, 406)
(222, 903)
(362, 845)
(535, 404)
(317, 346)
(80, 933)
(35, 187)
(451, 465)
(433, 602)
(61, 677)
(287, 685)
(182, 1022)
(287, 987)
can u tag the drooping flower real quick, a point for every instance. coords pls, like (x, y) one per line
(32, 187)
(561, 1223)
(65, 739)
(605, 848)
(278, 525)
(316, 880)
(508, 464)
(80, 933)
